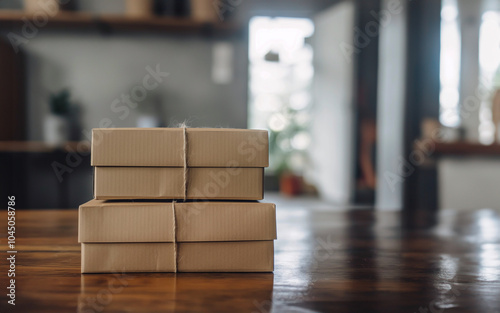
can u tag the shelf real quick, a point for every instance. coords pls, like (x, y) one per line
(40, 147)
(67, 21)
(460, 148)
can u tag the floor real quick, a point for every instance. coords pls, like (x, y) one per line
(325, 261)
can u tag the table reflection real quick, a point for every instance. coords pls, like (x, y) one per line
(170, 292)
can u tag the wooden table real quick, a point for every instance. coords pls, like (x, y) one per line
(354, 261)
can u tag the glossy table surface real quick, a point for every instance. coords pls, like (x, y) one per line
(353, 261)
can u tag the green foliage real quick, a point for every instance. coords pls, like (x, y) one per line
(60, 103)
(280, 156)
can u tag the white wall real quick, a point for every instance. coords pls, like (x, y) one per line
(99, 68)
(391, 99)
(470, 22)
(332, 130)
(469, 183)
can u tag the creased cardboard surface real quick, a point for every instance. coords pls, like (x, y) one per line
(168, 183)
(206, 147)
(249, 256)
(110, 221)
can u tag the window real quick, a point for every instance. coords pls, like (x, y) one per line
(281, 72)
(489, 62)
(450, 65)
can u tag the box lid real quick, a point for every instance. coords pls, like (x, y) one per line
(141, 221)
(205, 147)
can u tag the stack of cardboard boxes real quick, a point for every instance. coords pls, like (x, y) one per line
(157, 202)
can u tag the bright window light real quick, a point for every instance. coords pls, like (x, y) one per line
(450, 65)
(489, 61)
(281, 73)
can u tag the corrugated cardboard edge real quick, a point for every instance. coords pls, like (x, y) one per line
(93, 183)
(263, 187)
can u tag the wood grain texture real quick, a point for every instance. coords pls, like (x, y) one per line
(356, 261)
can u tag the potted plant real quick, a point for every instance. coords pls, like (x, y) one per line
(291, 182)
(56, 126)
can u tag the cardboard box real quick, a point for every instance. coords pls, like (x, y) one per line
(179, 163)
(244, 256)
(110, 221)
(138, 236)
(165, 147)
(168, 183)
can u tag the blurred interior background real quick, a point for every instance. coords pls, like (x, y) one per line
(390, 104)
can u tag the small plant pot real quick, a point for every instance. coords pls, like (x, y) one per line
(55, 130)
(291, 185)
